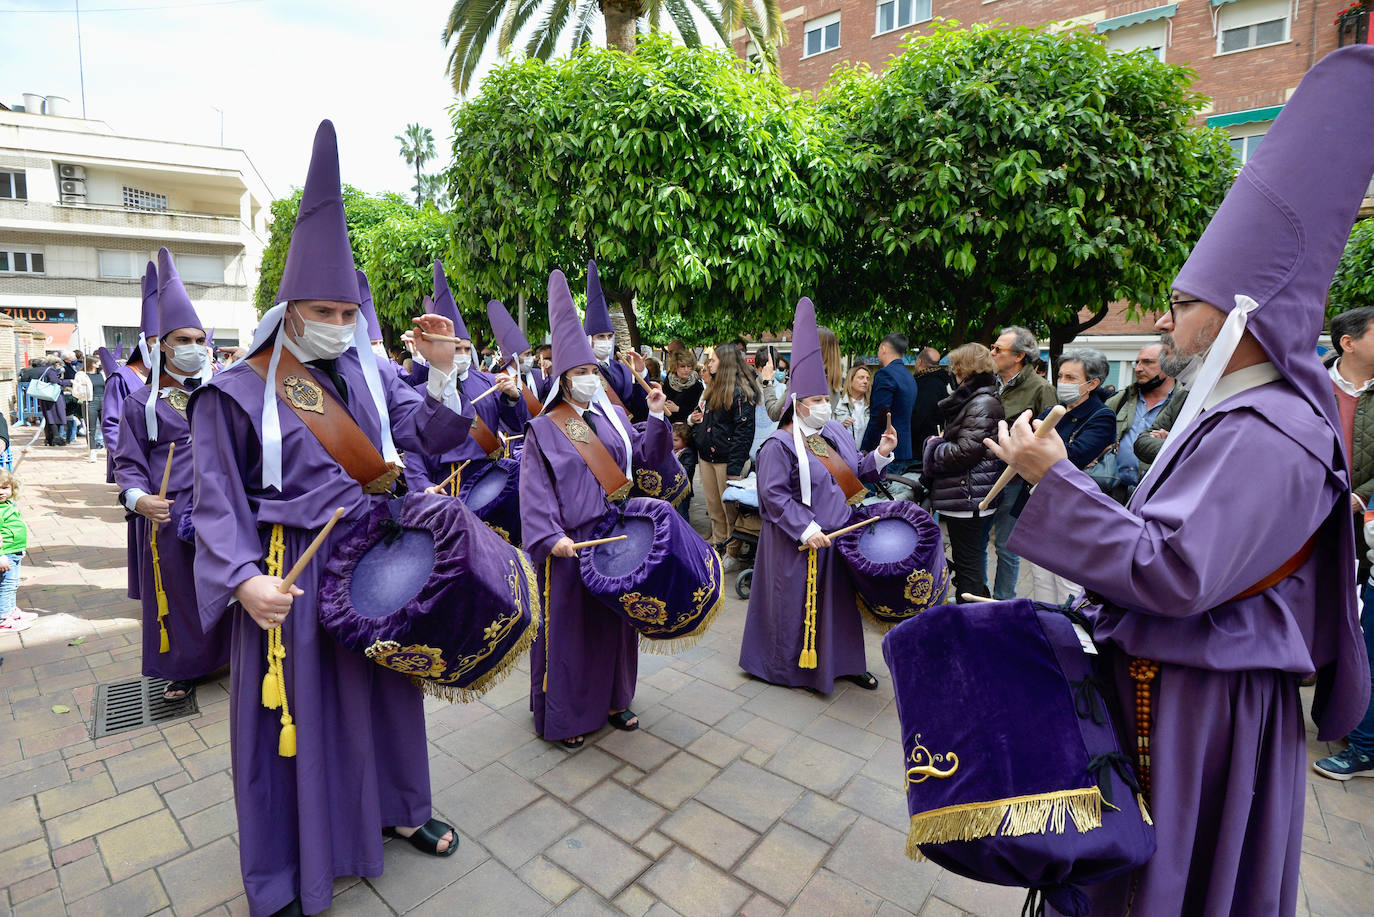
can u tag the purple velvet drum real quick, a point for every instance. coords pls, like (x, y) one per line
(666, 480)
(493, 495)
(1014, 773)
(186, 529)
(663, 579)
(422, 587)
(897, 563)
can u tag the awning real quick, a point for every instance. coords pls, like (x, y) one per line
(1217, 3)
(1249, 116)
(58, 334)
(1150, 15)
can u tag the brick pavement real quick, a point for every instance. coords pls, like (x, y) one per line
(735, 797)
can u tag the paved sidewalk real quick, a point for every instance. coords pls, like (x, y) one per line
(734, 797)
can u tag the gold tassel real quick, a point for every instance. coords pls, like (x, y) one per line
(1144, 811)
(286, 745)
(270, 698)
(548, 578)
(274, 681)
(164, 642)
(808, 652)
(1014, 817)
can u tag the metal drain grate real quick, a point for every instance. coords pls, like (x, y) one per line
(124, 705)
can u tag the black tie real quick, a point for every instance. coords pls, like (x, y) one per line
(192, 383)
(588, 416)
(330, 369)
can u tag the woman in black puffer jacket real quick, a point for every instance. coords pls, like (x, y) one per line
(959, 470)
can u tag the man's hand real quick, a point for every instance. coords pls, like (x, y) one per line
(818, 540)
(506, 386)
(656, 398)
(888, 443)
(438, 354)
(1028, 455)
(154, 508)
(563, 547)
(1158, 434)
(4, 564)
(260, 597)
(634, 360)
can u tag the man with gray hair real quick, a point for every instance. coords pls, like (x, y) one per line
(1015, 352)
(1137, 407)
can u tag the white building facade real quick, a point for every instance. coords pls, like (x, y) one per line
(83, 210)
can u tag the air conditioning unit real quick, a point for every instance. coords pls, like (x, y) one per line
(76, 172)
(70, 186)
(73, 198)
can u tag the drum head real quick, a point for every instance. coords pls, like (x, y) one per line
(889, 540)
(621, 558)
(487, 489)
(390, 575)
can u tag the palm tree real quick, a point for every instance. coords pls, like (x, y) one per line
(472, 24)
(417, 148)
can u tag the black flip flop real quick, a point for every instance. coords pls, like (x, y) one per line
(622, 719)
(185, 687)
(573, 744)
(868, 681)
(427, 837)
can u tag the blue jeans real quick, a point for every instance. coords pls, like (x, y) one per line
(9, 585)
(1008, 564)
(1362, 736)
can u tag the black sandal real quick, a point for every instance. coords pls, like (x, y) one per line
(622, 719)
(184, 687)
(291, 910)
(868, 681)
(427, 837)
(573, 744)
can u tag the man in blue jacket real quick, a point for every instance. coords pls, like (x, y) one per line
(891, 398)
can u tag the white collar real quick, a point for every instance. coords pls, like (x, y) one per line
(1241, 380)
(1345, 384)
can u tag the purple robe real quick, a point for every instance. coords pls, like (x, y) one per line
(361, 762)
(773, 629)
(497, 411)
(590, 655)
(630, 392)
(192, 652)
(55, 412)
(122, 383)
(1239, 497)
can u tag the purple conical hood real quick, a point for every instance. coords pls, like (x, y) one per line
(319, 264)
(174, 309)
(374, 327)
(148, 318)
(598, 317)
(507, 332)
(444, 304)
(806, 374)
(108, 364)
(1280, 233)
(570, 346)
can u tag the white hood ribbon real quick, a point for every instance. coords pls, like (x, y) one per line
(271, 417)
(1218, 357)
(150, 409)
(607, 408)
(803, 460)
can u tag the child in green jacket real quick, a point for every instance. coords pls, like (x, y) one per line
(14, 540)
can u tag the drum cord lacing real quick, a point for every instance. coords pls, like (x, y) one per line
(274, 680)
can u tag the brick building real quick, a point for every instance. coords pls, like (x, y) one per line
(1249, 56)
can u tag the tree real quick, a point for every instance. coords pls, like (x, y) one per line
(398, 254)
(417, 148)
(472, 23)
(1015, 175)
(1353, 284)
(710, 194)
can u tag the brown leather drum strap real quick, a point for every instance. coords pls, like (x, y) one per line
(482, 435)
(329, 420)
(531, 401)
(1289, 567)
(592, 450)
(844, 476)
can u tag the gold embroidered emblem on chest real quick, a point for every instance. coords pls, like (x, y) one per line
(578, 430)
(304, 394)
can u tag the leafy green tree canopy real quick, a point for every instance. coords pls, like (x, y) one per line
(1353, 284)
(707, 192)
(1013, 174)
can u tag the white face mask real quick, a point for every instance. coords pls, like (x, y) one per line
(819, 416)
(462, 362)
(603, 349)
(584, 388)
(324, 340)
(1068, 393)
(526, 364)
(188, 358)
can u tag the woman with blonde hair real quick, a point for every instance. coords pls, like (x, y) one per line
(852, 408)
(723, 433)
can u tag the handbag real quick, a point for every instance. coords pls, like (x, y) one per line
(1105, 470)
(45, 391)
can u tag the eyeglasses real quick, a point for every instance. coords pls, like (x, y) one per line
(1180, 302)
(997, 348)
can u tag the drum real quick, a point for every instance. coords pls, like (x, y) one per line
(897, 563)
(492, 492)
(1014, 771)
(663, 579)
(423, 587)
(186, 529)
(664, 481)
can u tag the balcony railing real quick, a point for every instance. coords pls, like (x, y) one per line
(1353, 28)
(98, 215)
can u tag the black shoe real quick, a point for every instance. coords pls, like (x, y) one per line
(291, 910)
(867, 681)
(427, 837)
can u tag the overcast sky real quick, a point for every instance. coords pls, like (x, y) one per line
(276, 68)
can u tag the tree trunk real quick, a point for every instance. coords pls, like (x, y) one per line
(1062, 334)
(623, 319)
(621, 17)
(419, 185)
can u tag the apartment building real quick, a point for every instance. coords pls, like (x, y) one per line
(83, 209)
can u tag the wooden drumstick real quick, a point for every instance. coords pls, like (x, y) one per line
(439, 488)
(315, 545)
(166, 476)
(485, 394)
(638, 378)
(970, 597)
(1045, 429)
(445, 338)
(579, 545)
(846, 530)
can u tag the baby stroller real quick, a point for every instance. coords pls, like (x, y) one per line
(745, 495)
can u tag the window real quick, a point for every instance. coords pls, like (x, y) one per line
(1152, 35)
(121, 265)
(898, 14)
(14, 185)
(1245, 144)
(134, 199)
(822, 34)
(1249, 24)
(21, 262)
(121, 339)
(200, 268)
(752, 55)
